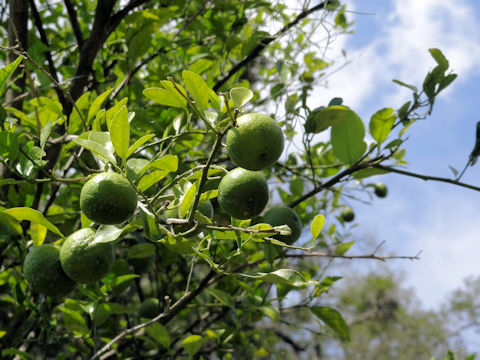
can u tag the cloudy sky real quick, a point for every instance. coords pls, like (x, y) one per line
(391, 41)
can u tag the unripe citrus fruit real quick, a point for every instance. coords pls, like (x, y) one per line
(83, 260)
(380, 190)
(283, 215)
(256, 141)
(242, 193)
(108, 198)
(204, 206)
(44, 272)
(149, 308)
(347, 214)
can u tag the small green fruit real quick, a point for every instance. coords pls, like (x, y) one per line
(149, 308)
(347, 214)
(283, 215)
(380, 190)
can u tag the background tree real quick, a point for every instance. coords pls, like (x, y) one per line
(149, 89)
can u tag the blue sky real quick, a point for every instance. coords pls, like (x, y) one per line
(441, 220)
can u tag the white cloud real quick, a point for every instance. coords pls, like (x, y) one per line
(399, 49)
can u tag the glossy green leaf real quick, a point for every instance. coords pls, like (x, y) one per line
(322, 118)
(120, 132)
(241, 95)
(45, 133)
(38, 233)
(347, 138)
(381, 124)
(192, 344)
(160, 334)
(343, 248)
(95, 107)
(151, 179)
(109, 233)
(187, 201)
(286, 277)
(333, 319)
(8, 70)
(164, 97)
(167, 162)
(317, 225)
(197, 87)
(144, 139)
(97, 149)
(35, 216)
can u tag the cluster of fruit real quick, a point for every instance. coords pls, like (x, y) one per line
(255, 143)
(107, 198)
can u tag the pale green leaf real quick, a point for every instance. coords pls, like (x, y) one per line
(97, 149)
(95, 107)
(45, 133)
(333, 319)
(241, 95)
(285, 277)
(109, 233)
(139, 143)
(317, 225)
(192, 344)
(222, 296)
(167, 95)
(381, 124)
(38, 233)
(343, 248)
(75, 122)
(347, 138)
(35, 216)
(120, 132)
(8, 70)
(197, 87)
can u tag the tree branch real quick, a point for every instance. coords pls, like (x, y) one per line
(267, 41)
(72, 15)
(43, 37)
(427, 177)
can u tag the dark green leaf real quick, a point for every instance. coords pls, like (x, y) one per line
(439, 58)
(141, 251)
(333, 319)
(160, 334)
(192, 344)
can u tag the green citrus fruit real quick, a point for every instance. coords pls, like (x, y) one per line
(380, 190)
(347, 214)
(205, 207)
(242, 193)
(255, 142)
(108, 198)
(283, 215)
(85, 261)
(44, 272)
(149, 308)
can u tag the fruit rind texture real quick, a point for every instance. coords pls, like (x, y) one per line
(108, 198)
(44, 272)
(256, 142)
(242, 193)
(83, 261)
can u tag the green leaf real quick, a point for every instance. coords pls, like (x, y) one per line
(95, 107)
(192, 344)
(381, 124)
(210, 194)
(286, 277)
(120, 132)
(447, 80)
(35, 216)
(139, 143)
(16, 354)
(109, 233)
(325, 285)
(9, 224)
(187, 200)
(96, 148)
(343, 248)
(197, 87)
(411, 87)
(160, 334)
(168, 163)
(333, 319)
(141, 251)
(322, 118)
(347, 138)
(38, 233)
(317, 225)
(75, 124)
(45, 133)
(150, 179)
(74, 321)
(241, 95)
(270, 311)
(223, 297)
(8, 70)
(167, 95)
(364, 173)
(439, 58)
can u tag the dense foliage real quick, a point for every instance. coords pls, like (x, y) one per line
(150, 89)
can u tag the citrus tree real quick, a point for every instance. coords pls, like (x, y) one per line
(164, 190)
